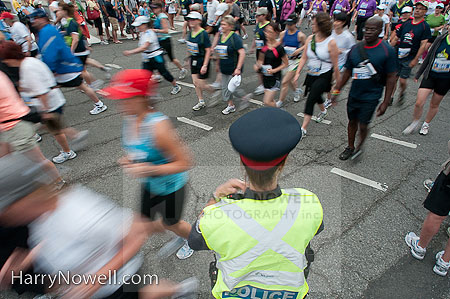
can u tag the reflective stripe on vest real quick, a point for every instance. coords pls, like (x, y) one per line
(267, 240)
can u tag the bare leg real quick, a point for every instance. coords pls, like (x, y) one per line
(287, 81)
(306, 121)
(363, 130)
(430, 227)
(422, 95)
(268, 99)
(352, 128)
(89, 92)
(36, 155)
(182, 229)
(177, 63)
(62, 141)
(87, 77)
(95, 63)
(434, 107)
(446, 256)
(403, 85)
(198, 89)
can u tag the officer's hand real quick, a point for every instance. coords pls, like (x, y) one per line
(230, 187)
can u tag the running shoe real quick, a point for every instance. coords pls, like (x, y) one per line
(98, 109)
(441, 267)
(279, 103)
(245, 36)
(321, 116)
(412, 240)
(411, 128)
(80, 141)
(37, 137)
(183, 73)
(424, 129)
(188, 289)
(97, 84)
(185, 251)
(347, 153)
(428, 184)
(104, 42)
(199, 106)
(176, 89)
(216, 85)
(297, 94)
(401, 99)
(228, 110)
(171, 247)
(259, 90)
(63, 157)
(303, 133)
(327, 104)
(182, 41)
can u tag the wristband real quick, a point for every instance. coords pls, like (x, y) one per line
(335, 92)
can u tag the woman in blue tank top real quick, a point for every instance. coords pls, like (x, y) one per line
(293, 42)
(155, 153)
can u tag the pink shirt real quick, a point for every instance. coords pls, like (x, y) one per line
(11, 105)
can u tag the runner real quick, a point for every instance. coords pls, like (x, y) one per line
(321, 59)
(262, 20)
(154, 153)
(271, 61)
(380, 12)
(405, 15)
(231, 52)
(20, 34)
(152, 54)
(413, 37)
(38, 89)
(161, 28)
(436, 78)
(372, 65)
(397, 10)
(340, 6)
(293, 41)
(185, 9)
(199, 51)
(317, 6)
(303, 14)
(364, 10)
(58, 57)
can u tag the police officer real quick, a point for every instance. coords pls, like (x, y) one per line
(261, 235)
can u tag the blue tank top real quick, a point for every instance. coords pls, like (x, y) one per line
(291, 40)
(142, 148)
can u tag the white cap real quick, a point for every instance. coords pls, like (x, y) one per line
(140, 20)
(221, 8)
(37, 2)
(196, 7)
(381, 6)
(440, 5)
(234, 83)
(194, 16)
(406, 9)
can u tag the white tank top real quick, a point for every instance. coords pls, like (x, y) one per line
(319, 61)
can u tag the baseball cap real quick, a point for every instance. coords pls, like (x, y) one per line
(129, 83)
(262, 11)
(406, 9)
(19, 177)
(221, 8)
(424, 3)
(193, 15)
(38, 13)
(6, 15)
(234, 83)
(196, 7)
(381, 7)
(441, 5)
(140, 20)
(37, 2)
(292, 19)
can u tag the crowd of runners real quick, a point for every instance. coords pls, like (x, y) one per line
(43, 52)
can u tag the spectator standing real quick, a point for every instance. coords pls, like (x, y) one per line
(113, 19)
(129, 6)
(93, 14)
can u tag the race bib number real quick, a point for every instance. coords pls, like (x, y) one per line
(403, 52)
(362, 12)
(314, 68)
(259, 44)
(361, 73)
(264, 69)
(222, 51)
(441, 65)
(253, 292)
(172, 9)
(192, 48)
(289, 50)
(338, 7)
(184, 12)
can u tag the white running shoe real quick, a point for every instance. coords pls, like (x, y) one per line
(303, 133)
(183, 73)
(104, 42)
(297, 95)
(259, 90)
(441, 267)
(245, 36)
(279, 103)
(228, 110)
(321, 116)
(412, 240)
(98, 109)
(63, 157)
(216, 85)
(199, 106)
(176, 89)
(182, 41)
(411, 128)
(424, 129)
(185, 251)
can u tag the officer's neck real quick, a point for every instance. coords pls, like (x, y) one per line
(269, 187)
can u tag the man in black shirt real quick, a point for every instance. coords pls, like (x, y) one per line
(113, 19)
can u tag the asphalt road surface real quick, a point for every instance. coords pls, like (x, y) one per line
(360, 254)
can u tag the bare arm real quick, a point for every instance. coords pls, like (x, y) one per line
(391, 80)
(75, 40)
(240, 63)
(137, 50)
(164, 25)
(303, 60)
(423, 47)
(334, 54)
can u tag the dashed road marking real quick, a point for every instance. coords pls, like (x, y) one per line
(113, 65)
(194, 123)
(256, 102)
(359, 179)
(325, 121)
(392, 140)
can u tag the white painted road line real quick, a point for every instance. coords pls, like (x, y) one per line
(113, 65)
(359, 179)
(325, 121)
(194, 123)
(256, 102)
(186, 84)
(389, 139)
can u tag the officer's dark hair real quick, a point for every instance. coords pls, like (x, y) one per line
(323, 23)
(262, 178)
